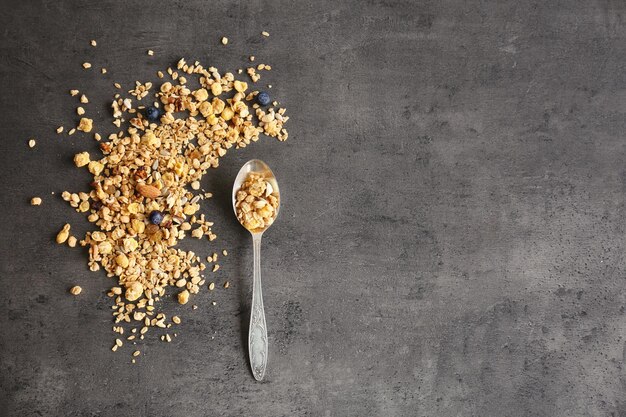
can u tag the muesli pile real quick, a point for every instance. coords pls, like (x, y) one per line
(256, 203)
(142, 200)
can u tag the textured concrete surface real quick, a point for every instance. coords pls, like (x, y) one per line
(452, 236)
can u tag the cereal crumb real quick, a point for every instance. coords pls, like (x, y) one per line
(225, 252)
(224, 40)
(71, 241)
(93, 42)
(73, 92)
(35, 201)
(60, 129)
(86, 65)
(80, 111)
(103, 70)
(81, 159)
(150, 52)
(84, 99)
(183, 297)
(85, 124)
(75, 290)
(226, 284)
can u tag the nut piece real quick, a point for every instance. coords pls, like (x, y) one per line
(35, 201)
(75, 290)
(148, 191)
(81, 159)
(183, 297)
(134, 291)
(63, 234)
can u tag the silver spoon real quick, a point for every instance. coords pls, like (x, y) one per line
(257, 333)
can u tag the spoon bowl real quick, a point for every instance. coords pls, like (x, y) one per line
(259, 167)
(257, 332)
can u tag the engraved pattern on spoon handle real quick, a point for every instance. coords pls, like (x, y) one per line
(257, 334)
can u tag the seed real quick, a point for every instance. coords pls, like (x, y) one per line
(224, 40)
(136, 353)
(211, 286)
(32, 143)
(118, 343)
(264, 33)
(176, 319)
(226, 284)
(75, 290)
(225, 252)
(216, 267)
(63, 234)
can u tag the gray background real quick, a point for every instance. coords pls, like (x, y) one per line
(451, 241)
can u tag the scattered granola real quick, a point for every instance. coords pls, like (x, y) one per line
(155, 166)
(256, 202)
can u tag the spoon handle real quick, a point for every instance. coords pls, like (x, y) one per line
(257, 334)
